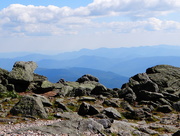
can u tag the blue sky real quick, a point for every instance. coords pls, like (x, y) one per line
(51, 26)
(61, 3)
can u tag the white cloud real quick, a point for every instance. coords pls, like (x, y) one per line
(151, 24)
(31, 20)
(134, 8)
(51, 20)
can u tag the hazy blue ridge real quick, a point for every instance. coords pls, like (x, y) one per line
(109, 79)
(121, 61)
(139, 65)
(94, 62)
(122, 52)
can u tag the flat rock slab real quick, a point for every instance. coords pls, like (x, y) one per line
(69, 127)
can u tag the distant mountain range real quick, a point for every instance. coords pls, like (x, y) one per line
(112, 66)
(109, 79)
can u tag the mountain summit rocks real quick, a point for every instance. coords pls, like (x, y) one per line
(22, 74)
(153, 96)
(23, 71)
(158, 87)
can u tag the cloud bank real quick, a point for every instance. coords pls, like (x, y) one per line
(143, 15)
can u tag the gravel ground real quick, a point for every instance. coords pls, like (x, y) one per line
(8, 129)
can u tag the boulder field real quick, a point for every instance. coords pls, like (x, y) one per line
(148, 105)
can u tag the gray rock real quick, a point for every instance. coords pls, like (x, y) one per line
(150, 103)
(23, 71)
(87, 78)
(45, 101)
(165, 76)
(81, 91)
(3, 72)
(148, 96)
(99, 90)
(29, 106)
(123, 126)
(87, 98)
(68, 115)
(164, 102)
(124, 133)
(61, 105)
(142, 82)
(3, 88)
(170, 128)
(43, 86)
(138, 114)
(59, 100)
(39, 78)
(176, 106)
(147, 130)
(139, 133)
(10, 87)
(112, 113)
(171, 97)
(46, 85)
(69, 127)
(3, 76)
(164, 109)
(128, 94)
(110, 103)
(176, 133)
(22, 75)
(66, 91)
(125, 105)
(87, 109)
(105, 122)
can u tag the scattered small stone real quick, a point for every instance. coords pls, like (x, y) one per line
(87, 98)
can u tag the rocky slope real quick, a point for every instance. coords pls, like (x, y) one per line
(148, 104)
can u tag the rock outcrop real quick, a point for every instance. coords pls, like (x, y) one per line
(30, 106)
(88, 107)
(87, 77)
(22, 74)
(158, 87)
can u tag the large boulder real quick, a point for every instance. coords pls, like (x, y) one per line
(23, 71)
(128, 94)
(3, 76)
(44, 86)
(165, 76)
(176, 133)
(159, 86)
(133, 90)
(3, 80)
(87, 109)
(40, 84)
(149, 96)
(22, 74)
(99, 90)
(142, 82)
(176, 106)
(87, 77)
(30, 106)
(164, 109)
(112, 113)
(45, 101)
